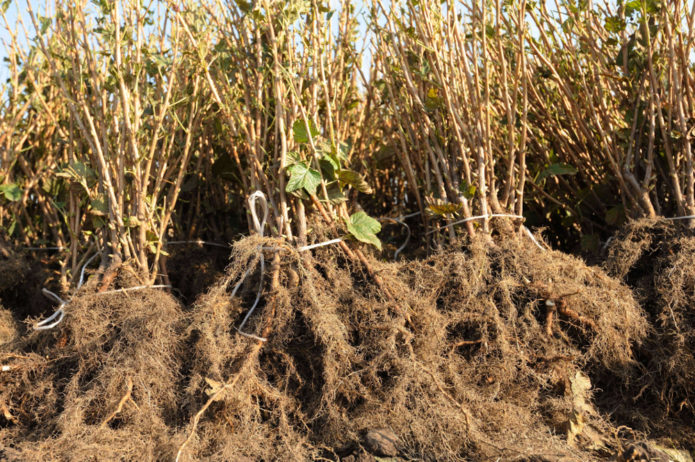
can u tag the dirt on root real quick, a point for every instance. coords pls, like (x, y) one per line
(193, 268)
(9, 330)
(101, 386)
(656, 259)
(484, 354)
(465, 363)
(21, 280)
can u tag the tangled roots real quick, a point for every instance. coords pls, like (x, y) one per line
(465, 361)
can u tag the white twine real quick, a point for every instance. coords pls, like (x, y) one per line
(84, 268)
(479, 217)
(686, 217)
(59, 313)
(530, 234)
(407, 239)
(260, 230)
(405, 217)
(607, 243)
(400, 221)
(199, 242)
(320, 244)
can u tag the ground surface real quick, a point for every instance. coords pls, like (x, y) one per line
(494, 351)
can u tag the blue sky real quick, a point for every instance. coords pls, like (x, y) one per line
(12, 14)
(17, 10)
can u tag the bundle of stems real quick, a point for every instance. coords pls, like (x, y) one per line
(24, 158)
(611, 100)
(121, 105)
(113, 111)
(456, 81)
(283, 75)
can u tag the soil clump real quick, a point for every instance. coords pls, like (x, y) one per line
(481, 354)
(101, 385)
(484, 353)
(655, 258)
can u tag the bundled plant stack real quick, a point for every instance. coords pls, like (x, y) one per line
(455, 82)
(324, 141)
(611, 106)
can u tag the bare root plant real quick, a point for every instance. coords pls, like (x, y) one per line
(611, 102)
(124, 107)
(455, 81)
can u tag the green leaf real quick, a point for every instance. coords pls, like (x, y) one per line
(590, 243)
(301, 133)
(615, 24)
(80, 173)
(364, 228)
(468, 190)
(81, 170)
(557, 169)
(4, 5)
(354, 179)
(12, 227)
(98, 222)
(244, 6)
(333, 160)
(444, 209)
(99, 206)
(161, 61)
(131, 221)
(615, 216)
(45, 23)
(11, 191)
(632, 6)
(335, 194)
(302, 176)
(329, 166)
(433, 100)
(293, 157)
(343, 150)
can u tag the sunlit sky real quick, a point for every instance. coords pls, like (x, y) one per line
(16, 14)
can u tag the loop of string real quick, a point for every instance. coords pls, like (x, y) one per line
(84, 268)
(407, 240)
(400, 221)
(530, 235)
(260, 230)
(59, 314)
